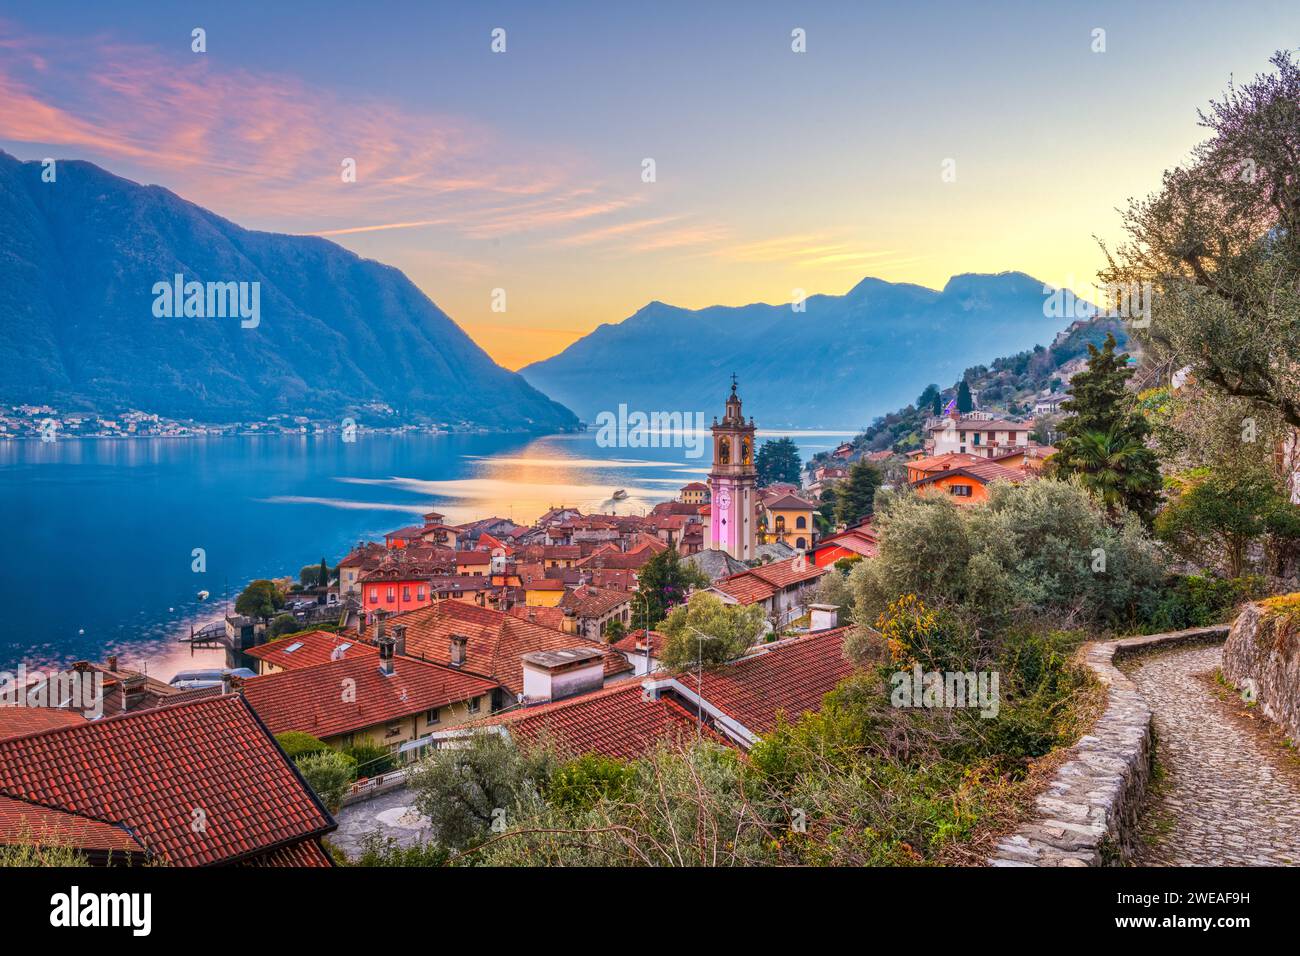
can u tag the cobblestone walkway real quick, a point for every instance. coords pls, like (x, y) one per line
(1228, 797)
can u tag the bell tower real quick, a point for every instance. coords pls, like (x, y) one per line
(733, 482)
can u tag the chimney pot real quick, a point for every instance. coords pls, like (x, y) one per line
(112, 663)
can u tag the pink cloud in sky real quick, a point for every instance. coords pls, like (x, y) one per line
(252, 145)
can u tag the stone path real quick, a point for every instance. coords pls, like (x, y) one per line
(1228, 797)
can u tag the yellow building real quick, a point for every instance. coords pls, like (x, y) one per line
(696, 493)
(787, 519)
(543, 592)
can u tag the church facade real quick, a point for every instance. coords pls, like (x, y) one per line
(733, 484)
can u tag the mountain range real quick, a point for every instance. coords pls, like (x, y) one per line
(839, 363)
(82, 260)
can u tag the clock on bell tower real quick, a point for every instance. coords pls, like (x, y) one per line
(733, 481)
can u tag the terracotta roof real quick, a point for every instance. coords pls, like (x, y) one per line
(745, 588)
(980, 425)
(695, 486)
(150, 771)
(762, 582)
(313, 647)
(628, 644)
(367, 555)
(858, 540)
(789, 502)
(619, 561)
(544, 583)
(17, 721)
(614, 579)
(310, 699)
(944, 462)
(589, 602)
(615, 722)
(984, 472)
(561, 552)
(551, 617)
(791, 677)
(24, 822)
(495, 640)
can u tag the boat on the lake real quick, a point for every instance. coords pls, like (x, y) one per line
(619, 495)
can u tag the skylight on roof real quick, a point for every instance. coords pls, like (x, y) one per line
(293, 647)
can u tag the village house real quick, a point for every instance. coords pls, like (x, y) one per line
(642, 648)
(785, 517)
(399, 584)
(735, 704)
(588, 610)
(968, 484)
(853, 543)
(305, 650)
(366, 556)
(432, 532)
(388, 700)
(127, 789)
(694, 493)
(779, 588)
(490, 644)
(977, 433)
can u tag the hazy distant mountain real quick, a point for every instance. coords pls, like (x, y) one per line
(840, 363)
(79, 258)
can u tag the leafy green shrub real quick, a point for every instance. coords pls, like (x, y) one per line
(330, 775)
(1043, 547)
(1198, 600)
(581, 783)
(297, 744)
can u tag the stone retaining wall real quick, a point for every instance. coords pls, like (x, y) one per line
(1263, 656)
(1088, 814)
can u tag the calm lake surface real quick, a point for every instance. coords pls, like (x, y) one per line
(101, 532)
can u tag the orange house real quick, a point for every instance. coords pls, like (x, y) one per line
(968, 484)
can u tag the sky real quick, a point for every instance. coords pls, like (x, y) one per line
(910, 142)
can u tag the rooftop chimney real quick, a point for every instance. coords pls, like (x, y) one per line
(554, 675)
(399, 640)
(823, 616)
(458, 643)
(112, 663)
(385, 655)
(569, 623)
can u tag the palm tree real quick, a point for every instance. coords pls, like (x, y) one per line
(1104, 462)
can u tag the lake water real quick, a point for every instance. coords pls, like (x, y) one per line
(100, 533)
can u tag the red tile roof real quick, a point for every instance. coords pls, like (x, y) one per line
(552, 617)
(984, 472)
(17, 721)
(23, 822)
(313, 647)
(790, 677)
(615, 722)
(628, 643)
(495, 640)
(589, 602)
(151, 771)
(764, 581)
(311, 699)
